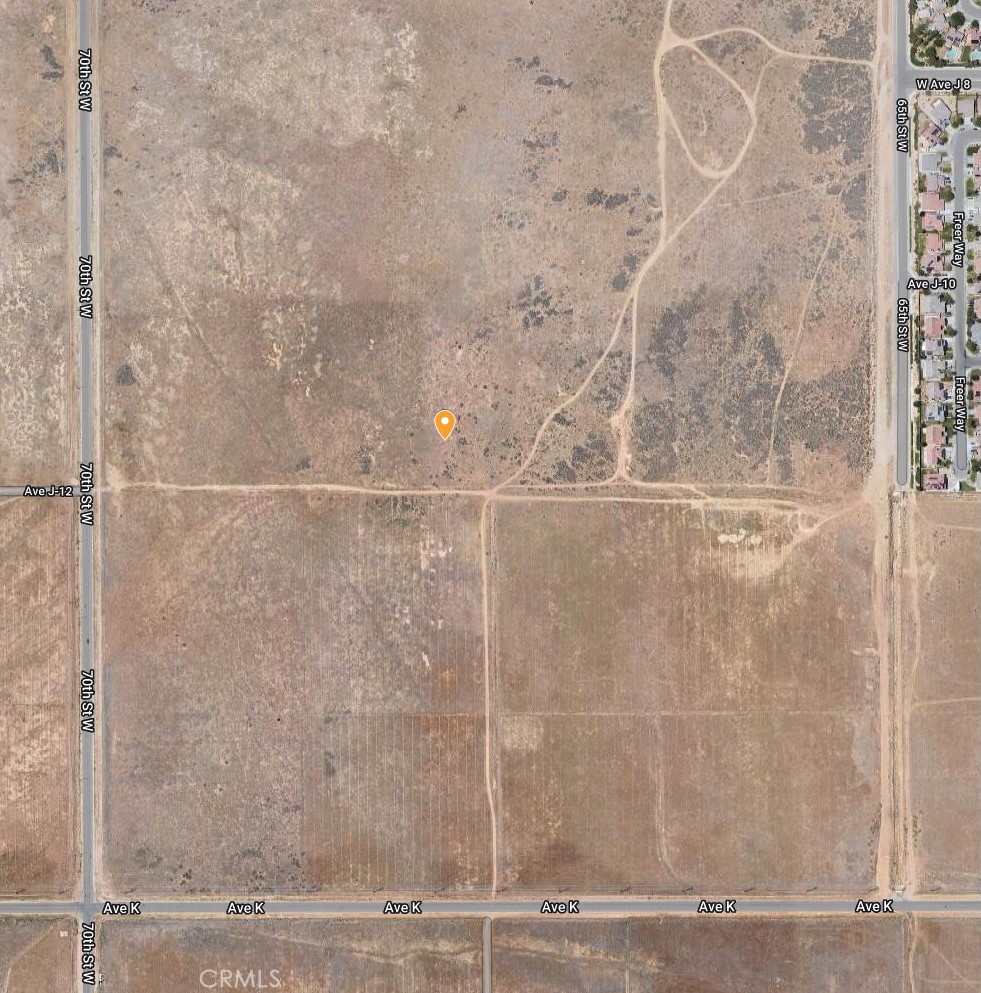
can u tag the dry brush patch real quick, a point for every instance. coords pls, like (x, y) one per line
(753, 359)
(37, 955)
(684, 698)
(294, 689)
(323, 244)
(34, 274)
(841, 29)
(943, 694)
(343, 956)
(38, 698)
(740, 55)
(677, 955)
(709, 113)
(945, 953)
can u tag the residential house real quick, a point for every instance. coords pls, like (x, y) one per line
(933, 326)
(930, 161)
(933, 254)
(935, 434)
(930, 135)
(931, 456)
(935, 481)
(933, 391)
(939, 113)
(931, 222)
(930, 202)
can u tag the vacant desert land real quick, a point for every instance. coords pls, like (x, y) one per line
(437, 956)
(38, 698)
(464, 206)
(843, 29)
(294, 688)
(37, 955)
(685, 698)
(946, 954)
(34, 268)
(754, 329)
(383, 210)
(681, 955)
(943, 693)
(613, 253)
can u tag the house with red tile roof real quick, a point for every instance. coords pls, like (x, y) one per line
(930, 135)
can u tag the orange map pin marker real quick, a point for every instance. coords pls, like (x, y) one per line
(445, 422)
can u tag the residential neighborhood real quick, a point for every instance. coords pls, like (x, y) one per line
(941, 33)
(944, 300)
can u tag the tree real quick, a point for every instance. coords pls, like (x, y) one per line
(957, 19)
(946, 194)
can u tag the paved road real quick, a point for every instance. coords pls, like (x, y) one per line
(903, 85)
(487, 959)
(970, 10)
(61, 908)
(594, 907)
(86, 454)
